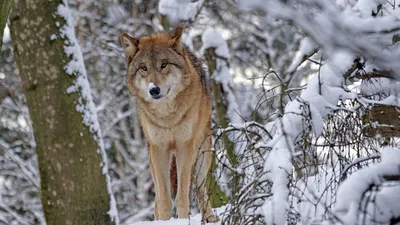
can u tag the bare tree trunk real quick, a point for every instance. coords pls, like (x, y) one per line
(218, 197)
(5, 6)
(73, 188)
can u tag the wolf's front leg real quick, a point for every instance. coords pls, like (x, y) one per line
(159, 164)
(155, 186)
(185, 158)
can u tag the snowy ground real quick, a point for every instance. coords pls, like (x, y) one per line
(194, 220)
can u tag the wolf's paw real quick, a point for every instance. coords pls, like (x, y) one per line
(212, 219)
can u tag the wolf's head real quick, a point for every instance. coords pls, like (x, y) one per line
(157, 68)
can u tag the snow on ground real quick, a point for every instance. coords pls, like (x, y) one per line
(195, 220)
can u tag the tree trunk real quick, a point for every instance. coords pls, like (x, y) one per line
(5, 6)
(73, 188)
(218, 197)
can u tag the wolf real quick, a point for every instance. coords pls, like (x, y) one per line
(174, 106)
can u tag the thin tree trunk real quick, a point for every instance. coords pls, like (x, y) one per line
(73, 188)
(5, 6)
(218, 197)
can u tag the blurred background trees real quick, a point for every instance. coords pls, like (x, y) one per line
(292, 99)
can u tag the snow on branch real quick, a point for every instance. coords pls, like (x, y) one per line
(180, 10)
(352, 196)
(320, 98)
(342, 32)
(355, 29)
(85, 105)
(307, 47)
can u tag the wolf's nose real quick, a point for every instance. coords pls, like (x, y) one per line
(154, 91)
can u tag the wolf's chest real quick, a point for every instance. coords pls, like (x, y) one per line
(158, 135)
(170, 123)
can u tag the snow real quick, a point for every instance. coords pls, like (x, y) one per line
(53, 37)
(193, 220)
(6, 34)
(321, 95)
(313, 196)
(211, 38)
(367, 6)
(86, 106)
(353, 190)
(384, 86)
(306, 47)
(179, 10)
(337, 31)
(330, 27)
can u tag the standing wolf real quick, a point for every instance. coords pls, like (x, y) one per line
(174, 105)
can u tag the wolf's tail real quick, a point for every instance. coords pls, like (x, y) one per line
(173, 178)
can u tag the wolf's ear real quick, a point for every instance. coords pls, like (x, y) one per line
(130, 46)
(176, 37)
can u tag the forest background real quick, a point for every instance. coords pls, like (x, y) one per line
(305, 107)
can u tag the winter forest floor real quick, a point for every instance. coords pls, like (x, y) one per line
(193, 220)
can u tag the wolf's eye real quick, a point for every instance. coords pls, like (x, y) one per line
(144, 68)
(163, 65)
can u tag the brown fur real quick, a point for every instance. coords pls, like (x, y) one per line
(177, 126)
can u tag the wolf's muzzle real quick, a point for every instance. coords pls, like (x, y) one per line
(155, 92)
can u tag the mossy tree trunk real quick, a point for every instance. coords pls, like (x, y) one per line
(221, 112)
(219, 104)
(73, 188)
(5, 6)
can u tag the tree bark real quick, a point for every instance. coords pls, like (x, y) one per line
(5, 6)
(73, 188)
(218, 197)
